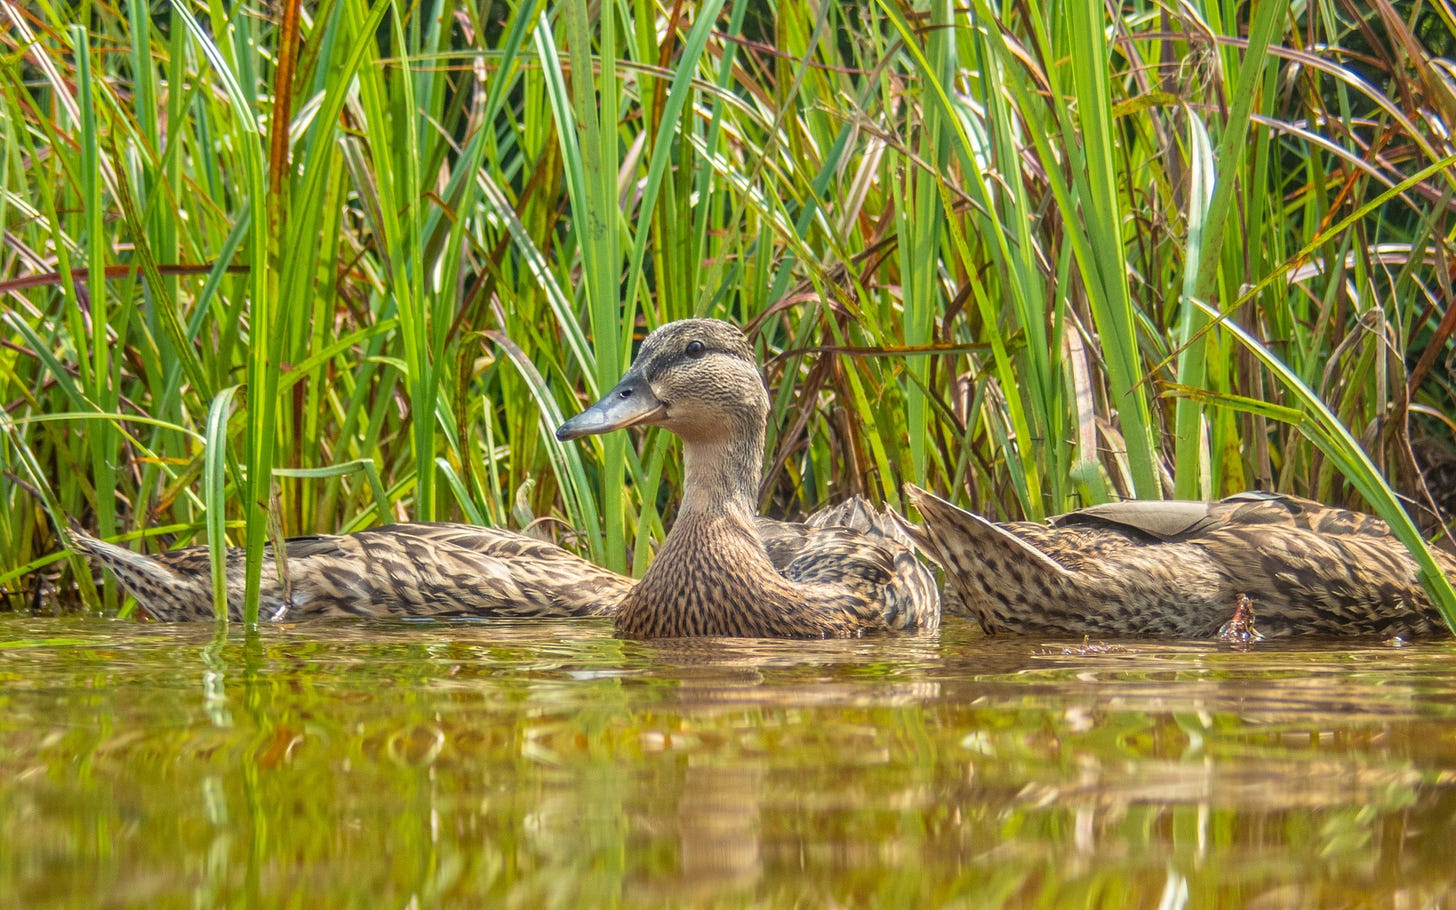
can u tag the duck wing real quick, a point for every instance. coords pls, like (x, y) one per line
(1170, 519)
(1258, 508)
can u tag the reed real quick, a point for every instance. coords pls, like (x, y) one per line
(309, 267)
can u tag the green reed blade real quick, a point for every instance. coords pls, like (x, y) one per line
(214, 477)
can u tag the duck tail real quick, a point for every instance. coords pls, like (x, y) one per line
(987, 566)
(912, 599)
(161, 591)
(858, 514)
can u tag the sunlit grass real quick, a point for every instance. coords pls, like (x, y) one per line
(978, 247)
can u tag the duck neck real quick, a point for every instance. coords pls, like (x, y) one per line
(712, 575)
(721, 476)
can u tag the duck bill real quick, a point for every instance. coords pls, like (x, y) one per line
(627, 405)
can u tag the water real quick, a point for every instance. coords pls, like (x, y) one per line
(552, 765)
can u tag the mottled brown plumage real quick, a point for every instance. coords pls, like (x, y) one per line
(423, 569)
(716, 573)
(1179, 569)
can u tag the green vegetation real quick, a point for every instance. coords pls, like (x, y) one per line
(1030, 254)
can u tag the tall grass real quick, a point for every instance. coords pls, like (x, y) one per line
(310, 267)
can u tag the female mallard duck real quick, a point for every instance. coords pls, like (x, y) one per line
(850, 566)
(715, 573)
(1179, 568)
(424, 569)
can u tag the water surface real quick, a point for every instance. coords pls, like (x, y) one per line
(552, 765)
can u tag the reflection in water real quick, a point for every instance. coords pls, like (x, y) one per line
(554, 765)
(706, 828)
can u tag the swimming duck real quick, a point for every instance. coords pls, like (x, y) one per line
(423, 569)
(851, 553)
(1180, 568)
(715, 573)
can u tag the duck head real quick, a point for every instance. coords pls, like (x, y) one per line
(695, 377)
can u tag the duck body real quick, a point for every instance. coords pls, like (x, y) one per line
(1178, 569)
(713, 577)
(721, 571)
(409, 570)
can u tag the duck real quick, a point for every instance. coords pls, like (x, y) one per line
(411, 570)
(851, 552)
(1181, 569)
(721, 571)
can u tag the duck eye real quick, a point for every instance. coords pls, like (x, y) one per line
(696, 349)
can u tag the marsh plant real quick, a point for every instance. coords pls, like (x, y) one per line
(287, 268)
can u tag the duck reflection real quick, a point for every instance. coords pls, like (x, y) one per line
(717, 827)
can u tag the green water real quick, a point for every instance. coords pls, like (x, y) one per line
(552, 765)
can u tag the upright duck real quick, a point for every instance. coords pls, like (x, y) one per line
(1179, 568)
(721, 572)
(713, 575)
